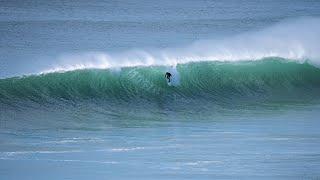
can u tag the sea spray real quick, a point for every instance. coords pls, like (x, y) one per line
(296, 40)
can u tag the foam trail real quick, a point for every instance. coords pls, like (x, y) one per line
(297, 40)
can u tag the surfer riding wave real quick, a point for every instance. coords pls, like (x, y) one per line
(168, 76)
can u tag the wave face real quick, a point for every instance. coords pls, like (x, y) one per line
(218, 83)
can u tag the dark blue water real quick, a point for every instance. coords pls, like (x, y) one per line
(83, 94)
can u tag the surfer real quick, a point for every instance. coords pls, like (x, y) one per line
(168, 76)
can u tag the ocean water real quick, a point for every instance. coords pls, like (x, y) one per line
(83, 93)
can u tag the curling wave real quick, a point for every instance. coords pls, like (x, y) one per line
(271, 79)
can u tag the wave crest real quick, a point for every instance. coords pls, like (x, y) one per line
(296, 40)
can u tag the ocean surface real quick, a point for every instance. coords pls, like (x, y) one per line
(83, 93)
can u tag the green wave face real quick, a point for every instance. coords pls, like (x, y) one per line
(218, 83)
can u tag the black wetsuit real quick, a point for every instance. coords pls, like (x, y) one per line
(168, 76)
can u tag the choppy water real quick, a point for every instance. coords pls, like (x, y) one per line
(83, 93)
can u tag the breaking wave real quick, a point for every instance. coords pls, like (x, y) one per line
(270, 79)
